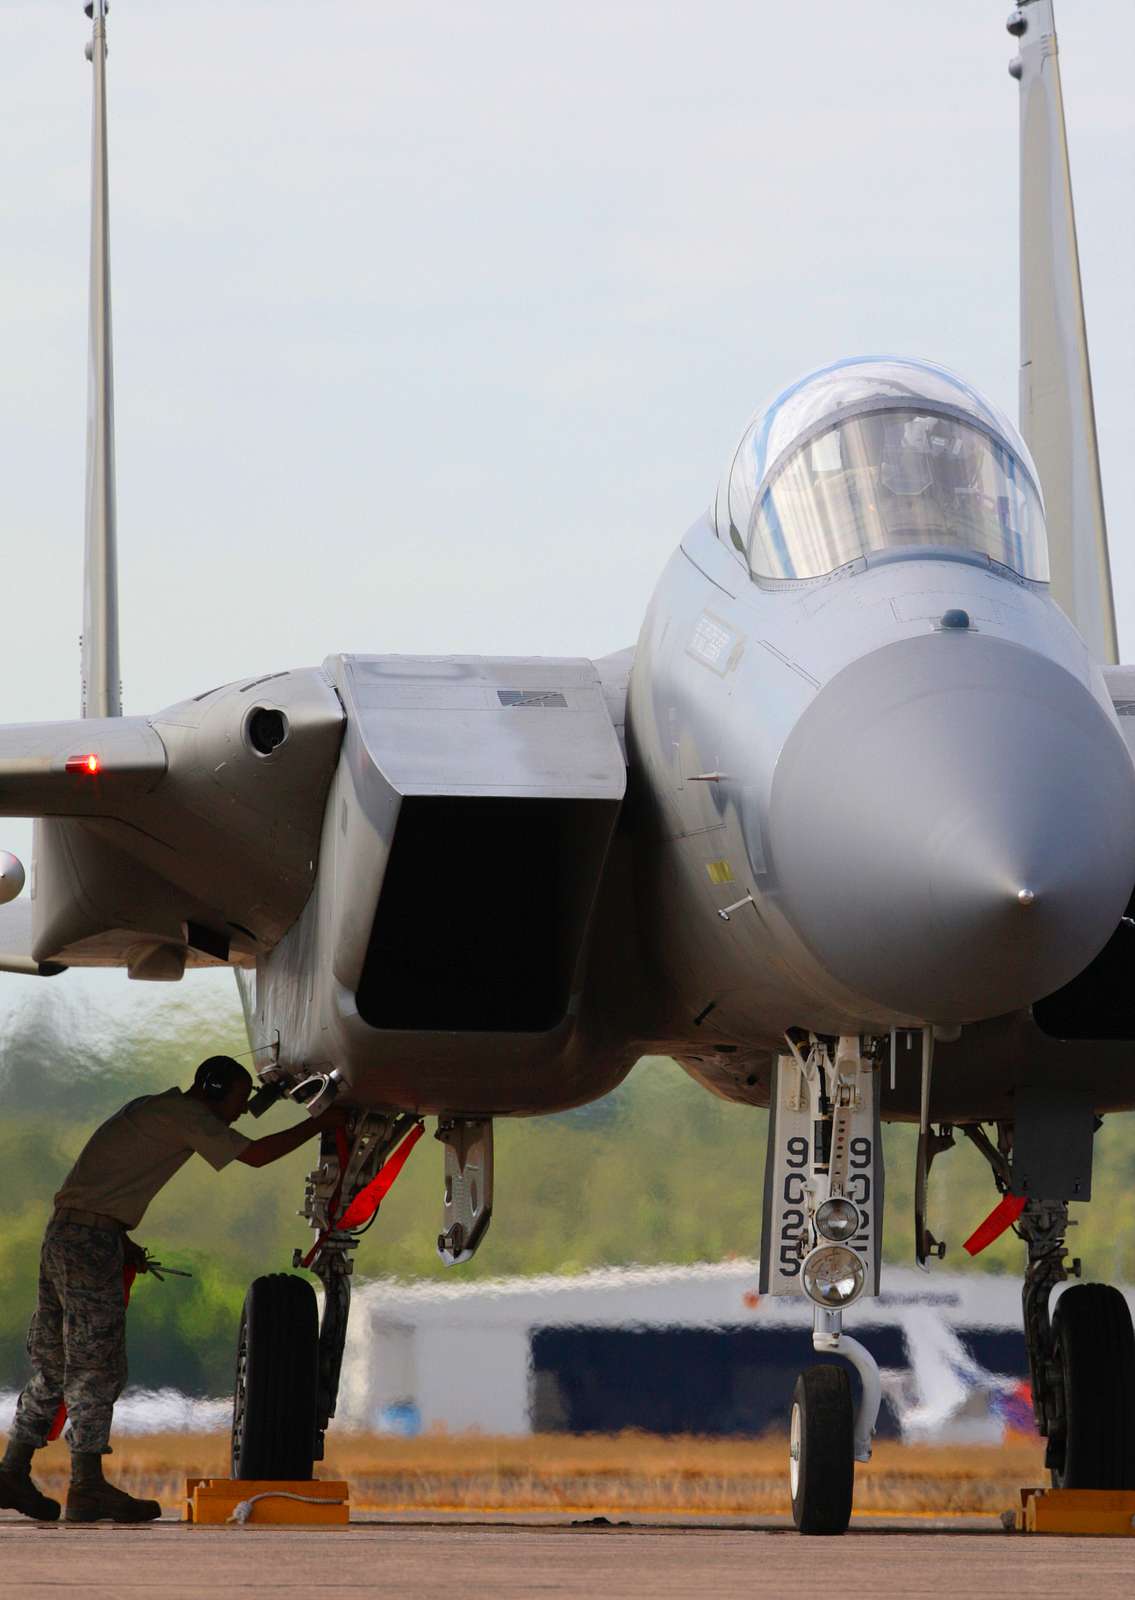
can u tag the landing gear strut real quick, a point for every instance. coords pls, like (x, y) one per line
(289, 1359)
(331, 1188)
(823, 1203)
(1081, 1354)
(1082, 1361)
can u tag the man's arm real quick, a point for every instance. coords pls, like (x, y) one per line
(262, 1152)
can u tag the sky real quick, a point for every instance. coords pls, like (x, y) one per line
(435, 324)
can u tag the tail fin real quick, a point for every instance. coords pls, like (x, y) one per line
(102, 691)
(1057, 412)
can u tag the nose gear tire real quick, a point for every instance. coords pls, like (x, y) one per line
(274, 1400)
(821, 1447)
(1094, 1356)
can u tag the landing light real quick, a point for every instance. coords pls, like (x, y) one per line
(832, 1276)
(838, 1219)
(89, 764)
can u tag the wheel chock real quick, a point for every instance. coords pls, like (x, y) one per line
(315, 1503)
(1104, 1512)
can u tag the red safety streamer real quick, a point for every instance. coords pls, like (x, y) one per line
(368, 1200)
(60, 1420)
(1003, 1216)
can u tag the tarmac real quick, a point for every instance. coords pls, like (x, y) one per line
(426, 1557)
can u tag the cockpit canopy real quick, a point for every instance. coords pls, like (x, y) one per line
(873, 455)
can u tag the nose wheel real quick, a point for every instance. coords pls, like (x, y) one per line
(821, 1450)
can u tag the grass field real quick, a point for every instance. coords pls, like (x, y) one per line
(550, 1472)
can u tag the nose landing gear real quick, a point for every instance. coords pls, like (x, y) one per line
(827, 1433)
(823, 1200)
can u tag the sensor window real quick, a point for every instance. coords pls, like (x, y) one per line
(266, 729)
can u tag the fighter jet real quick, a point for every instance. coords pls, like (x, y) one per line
(850, 832)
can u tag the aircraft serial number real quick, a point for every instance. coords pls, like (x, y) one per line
(793, 1197)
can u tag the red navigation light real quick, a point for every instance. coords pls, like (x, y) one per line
(89, 764)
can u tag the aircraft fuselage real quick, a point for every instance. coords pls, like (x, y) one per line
(933, 821)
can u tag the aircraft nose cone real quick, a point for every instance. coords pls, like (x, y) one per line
(952, 827)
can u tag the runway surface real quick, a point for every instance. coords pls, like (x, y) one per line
(424, 1559)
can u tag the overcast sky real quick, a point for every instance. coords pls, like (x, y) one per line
(435, 323)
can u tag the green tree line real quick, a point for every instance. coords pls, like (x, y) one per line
(658, 1172)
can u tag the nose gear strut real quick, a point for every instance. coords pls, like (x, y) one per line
(821, 1238)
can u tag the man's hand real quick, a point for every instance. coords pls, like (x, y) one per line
(133, 1256)
(334, 1117)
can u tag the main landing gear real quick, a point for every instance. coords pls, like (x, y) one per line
(1082, 1362)
(289, 1357)
(823, 1208)
(1081, 1349)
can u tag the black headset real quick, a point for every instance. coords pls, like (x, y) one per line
(216, 1076)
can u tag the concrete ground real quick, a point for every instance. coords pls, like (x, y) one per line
(420, 1558)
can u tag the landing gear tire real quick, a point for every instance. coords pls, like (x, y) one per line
(277, 1365)
(821, 1466)
(1094, 1356)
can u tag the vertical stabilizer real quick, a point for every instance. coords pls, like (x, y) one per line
(1057, 412)
(102, 693)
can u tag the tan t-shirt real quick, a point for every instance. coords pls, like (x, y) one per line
(137, 1151)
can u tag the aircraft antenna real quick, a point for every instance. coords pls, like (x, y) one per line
(102, 690)
(1057, 412)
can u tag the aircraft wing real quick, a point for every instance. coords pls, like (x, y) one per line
(92, 767)
(192, 837)
(187, 837)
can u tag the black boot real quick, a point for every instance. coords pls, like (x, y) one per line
(17, 1491)
(91, 1499)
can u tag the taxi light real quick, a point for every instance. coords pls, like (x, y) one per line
(838, 1219)
(88, 764)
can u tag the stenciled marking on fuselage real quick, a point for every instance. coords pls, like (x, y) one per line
(715, 644)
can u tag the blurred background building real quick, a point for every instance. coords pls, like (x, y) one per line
(692, 1349)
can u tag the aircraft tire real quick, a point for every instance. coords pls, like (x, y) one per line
(821, 1450)
(1095, 1354)
(274, 1402)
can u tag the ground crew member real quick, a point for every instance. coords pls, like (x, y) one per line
(77, 1340)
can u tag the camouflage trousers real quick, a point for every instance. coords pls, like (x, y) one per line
(77, 1339)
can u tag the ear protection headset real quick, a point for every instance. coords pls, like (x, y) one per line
(216, 1076)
